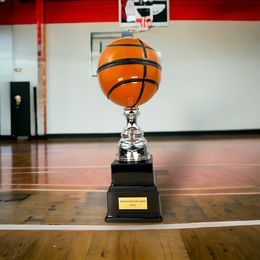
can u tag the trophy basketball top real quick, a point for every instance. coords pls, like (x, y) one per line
(129, 72)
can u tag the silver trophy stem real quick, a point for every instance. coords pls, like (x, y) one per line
(132, 146)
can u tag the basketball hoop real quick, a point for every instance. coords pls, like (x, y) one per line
(144, 23)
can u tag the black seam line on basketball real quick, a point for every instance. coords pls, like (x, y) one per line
(119, 84)
(127, 62)
(142, 88)
(144, 50)
(144, 76)
(130, 45)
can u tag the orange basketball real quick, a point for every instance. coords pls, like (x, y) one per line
(129, 72)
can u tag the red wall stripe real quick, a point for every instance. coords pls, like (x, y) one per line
(78, 11)
(237, 10)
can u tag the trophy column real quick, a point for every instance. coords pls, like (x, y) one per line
(132, 195)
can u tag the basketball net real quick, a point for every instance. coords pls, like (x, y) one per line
(144, 23)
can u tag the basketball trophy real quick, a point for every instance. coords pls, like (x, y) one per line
(129, 74)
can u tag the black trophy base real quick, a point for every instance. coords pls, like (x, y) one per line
(131, 219)
(131, 199)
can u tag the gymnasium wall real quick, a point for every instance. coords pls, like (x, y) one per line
(210, 77)
(6, 60)
(18, 49)
(210, 57)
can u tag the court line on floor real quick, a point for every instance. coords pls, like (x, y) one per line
(193, 225)
(54, 185)
(211, 188)
(156, 167)
(164, 195)
(212, 194)
(161, 189)
(53, 190)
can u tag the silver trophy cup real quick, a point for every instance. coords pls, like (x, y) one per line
(132, 146)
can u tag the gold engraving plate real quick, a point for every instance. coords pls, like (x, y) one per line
(132, 203)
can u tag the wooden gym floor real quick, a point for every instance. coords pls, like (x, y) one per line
(53, 200)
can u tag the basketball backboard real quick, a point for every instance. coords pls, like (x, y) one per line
(152, 12)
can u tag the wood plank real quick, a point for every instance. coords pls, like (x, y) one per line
(175, 177)
(228, 207)
(90, 208)
(112, 245)
(179, 209)
(222, 243)
(171, 150)
(187, 162)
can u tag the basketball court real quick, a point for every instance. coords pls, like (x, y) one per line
(53, 201)
(202, 130)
